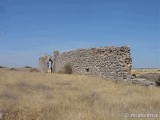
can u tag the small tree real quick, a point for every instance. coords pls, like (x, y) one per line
(158, 81)
(27, 67)
(2, 67)
(67, 69)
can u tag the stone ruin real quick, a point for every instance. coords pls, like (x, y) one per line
(44, 62)
(108, 62)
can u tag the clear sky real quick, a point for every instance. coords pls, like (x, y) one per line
(31, 28)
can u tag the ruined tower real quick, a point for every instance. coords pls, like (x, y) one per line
(44, 62)
(55, 55)
(108, 62)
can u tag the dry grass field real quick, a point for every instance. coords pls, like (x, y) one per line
(36, 96)
(145, 71)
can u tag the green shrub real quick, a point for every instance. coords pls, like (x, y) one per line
(2, 67)
(27, 67)
(34, 70)
(134, 75)
(158, 81)
(67, 69)
(60, 72)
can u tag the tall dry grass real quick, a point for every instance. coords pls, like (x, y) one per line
(36, 96)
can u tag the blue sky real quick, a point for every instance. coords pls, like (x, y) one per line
(31, 28)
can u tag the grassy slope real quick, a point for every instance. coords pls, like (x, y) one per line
(35, 96)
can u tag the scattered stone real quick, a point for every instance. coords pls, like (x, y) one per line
(150, 76)
(143, 81)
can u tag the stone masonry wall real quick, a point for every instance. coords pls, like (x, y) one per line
(108, 62)
(43, 63)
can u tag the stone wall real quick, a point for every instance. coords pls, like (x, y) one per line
(44, 63)
(108, 62)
